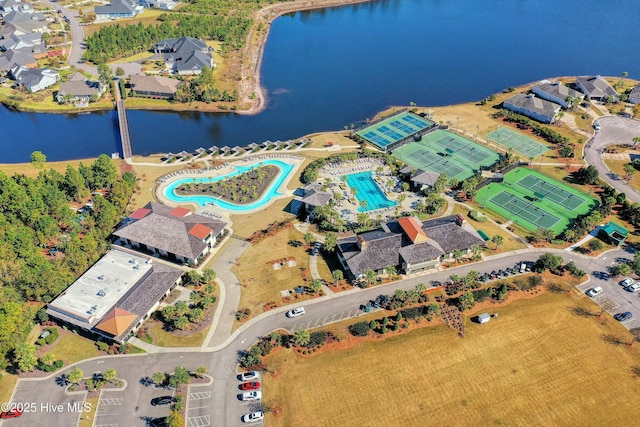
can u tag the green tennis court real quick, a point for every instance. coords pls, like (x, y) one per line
(394, 129)
(535, 201)
(518, 142)
(445, 152)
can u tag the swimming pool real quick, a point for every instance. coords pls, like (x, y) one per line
(272, 191)
(368, 191)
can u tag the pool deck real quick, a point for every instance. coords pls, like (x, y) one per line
(215, 211)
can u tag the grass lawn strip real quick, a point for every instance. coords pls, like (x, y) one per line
(73, 348)
(510, 243)
(537, 364)
(163, 338)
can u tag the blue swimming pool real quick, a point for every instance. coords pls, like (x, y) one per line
(272, 191)
(368, 191)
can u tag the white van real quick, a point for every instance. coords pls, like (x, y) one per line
(594, 292)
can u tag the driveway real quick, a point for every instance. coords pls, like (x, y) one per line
(613, 130)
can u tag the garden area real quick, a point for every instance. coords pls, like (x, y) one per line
(247, 187)
(509, 371)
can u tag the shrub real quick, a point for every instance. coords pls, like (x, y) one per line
(383, 330)
(373, 325)
(411, 313)
(396, 326)
(102, 346)
(475, 215)
(360, 329)
(385, 321)
(317, 338)
(398, 317)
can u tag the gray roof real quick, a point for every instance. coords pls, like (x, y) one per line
(424, 178)
(116, 7)
(558, 90)
(195, 60)
(75, 87)
(164, 231)
(635, 93)
(533, 103)
(314, 196)
(182, 45)
(11, 57)
(389, 245)
(596, 87)
(156, 84)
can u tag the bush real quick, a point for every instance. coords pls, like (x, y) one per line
(360, 329)
(317, 338)
(475, 215)
(383, 330)
(411, 313)
(102, 346)
(53, 335)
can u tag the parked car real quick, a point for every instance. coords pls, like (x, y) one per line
(162, 400)
(248, 396)
(627, 281)
(594, 292)
(621, 317)
(381, 301)
(596, 126)
(252, 417)
(298, 311)
(13, 413)
(248, 376)
(253, 385)
(633, 288)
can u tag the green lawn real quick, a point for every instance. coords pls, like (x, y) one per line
(73, 348)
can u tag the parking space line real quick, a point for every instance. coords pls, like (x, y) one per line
(114, 401)
(200, 421)
(106, 425)
(199, 395)
(198, 407)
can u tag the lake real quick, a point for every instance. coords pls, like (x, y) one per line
(329, 68)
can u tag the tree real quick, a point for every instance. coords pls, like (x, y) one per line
(208, 275)
(109, 375)
(497, 240)
(309, 238)
(629, 171)
(337, 276)
(180, 376)
(105, 74)
(315, 285)
(181, 322)
(104, 172)
(595, 245)
(75, 376)
(302, 337)
(548, 261)
(25, 355)
(370, 277)
(119, 71)
(466, 301)
(201, 371)
(38, 159)
(175, 419)
(330, 242)
(588, 175)
(48, 359)
(159, 378)
(622, 269)
(391, 271)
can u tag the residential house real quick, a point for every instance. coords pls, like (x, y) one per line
(114, 297)
(154, 86)
(8, 6)
(33, 79)
(186, 55)
(597, 88)
(16, 57)
(408, 244)
(25, 41)
(17, 16)
(556, 92)
(634, 95)
(79, 91)
(528, 104)
(159, 4)
(174, 233)
(118, 9)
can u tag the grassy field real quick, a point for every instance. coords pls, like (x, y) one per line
(261, 283)
(617, 167)
(7, 384)
(164, 339)
(87, 417)
(31, 171)
(539, 363)
(72, 348)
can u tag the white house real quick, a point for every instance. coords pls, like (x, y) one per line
(595, 87)
(538, 109)
(34, 80)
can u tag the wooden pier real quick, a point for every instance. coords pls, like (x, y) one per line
(123, 123)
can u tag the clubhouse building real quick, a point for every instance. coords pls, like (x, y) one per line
(172, 233)
(408, 244)
(114, 297)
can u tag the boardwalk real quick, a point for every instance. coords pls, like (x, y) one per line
(125, 138)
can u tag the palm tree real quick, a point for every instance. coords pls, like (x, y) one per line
(401, 198)
(363, 205)
(391, 271)
(302, 337)
(363, 219)
(315, 285)
(498, 240)
(337, 276)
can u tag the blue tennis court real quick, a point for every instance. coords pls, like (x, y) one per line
(396, 128)
(367, 190)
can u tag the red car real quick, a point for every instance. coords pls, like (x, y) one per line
(14, 413)
(254, 385)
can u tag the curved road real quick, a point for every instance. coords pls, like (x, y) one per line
(613, 130)
(222, 403)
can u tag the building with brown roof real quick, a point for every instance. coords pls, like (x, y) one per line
(173, 233)
(408, 244)
(154, 86)
(116, 295)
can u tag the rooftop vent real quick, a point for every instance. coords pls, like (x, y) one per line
(101, 277)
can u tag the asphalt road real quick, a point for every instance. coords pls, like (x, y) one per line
(131, 406)
(613, 130)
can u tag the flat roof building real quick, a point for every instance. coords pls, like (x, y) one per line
(115, 295)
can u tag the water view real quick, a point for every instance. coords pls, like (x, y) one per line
(329, 68)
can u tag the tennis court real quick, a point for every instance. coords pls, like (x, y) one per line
(445, 152)
(518, 142)
(524, 209)
(394, 129)
(548, 190)
(535, 201)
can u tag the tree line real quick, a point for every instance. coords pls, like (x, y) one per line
(36, 223)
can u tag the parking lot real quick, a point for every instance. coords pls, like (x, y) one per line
(614, 299)
(199, 406)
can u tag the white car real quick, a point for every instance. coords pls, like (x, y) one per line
(594, 292)
(628, 281)
(299, 311)
(252, 417)
(596, 126)
(633, 288)
(248, 396)
(249, 376)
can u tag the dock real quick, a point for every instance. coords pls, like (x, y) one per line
(123, 123)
